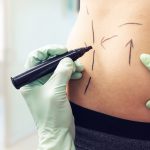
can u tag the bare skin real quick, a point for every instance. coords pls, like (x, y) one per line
(119, 32)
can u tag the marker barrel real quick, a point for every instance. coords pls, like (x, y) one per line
(45, 67)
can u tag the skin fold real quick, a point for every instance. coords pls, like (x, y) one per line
(119, 32)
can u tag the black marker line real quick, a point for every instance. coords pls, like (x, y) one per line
(130, 23)
(93, 59)
(130, 43)
(85, 44)
(87, 11)
(103, 40)
(130, 56)
(93, 32)
(87, 85)
(110, 38)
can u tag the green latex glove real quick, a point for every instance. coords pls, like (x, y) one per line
(145, 58)
(48, 102)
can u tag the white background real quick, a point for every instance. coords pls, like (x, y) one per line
(28, 24)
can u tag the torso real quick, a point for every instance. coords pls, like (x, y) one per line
(118, 87)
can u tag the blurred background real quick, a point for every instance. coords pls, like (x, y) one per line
(24, 26)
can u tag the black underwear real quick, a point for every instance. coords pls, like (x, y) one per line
(111, 125)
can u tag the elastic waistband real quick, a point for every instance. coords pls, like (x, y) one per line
(112, 125)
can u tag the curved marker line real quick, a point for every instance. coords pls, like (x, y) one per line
(130, 23)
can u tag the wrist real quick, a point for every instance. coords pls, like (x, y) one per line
(55, 139)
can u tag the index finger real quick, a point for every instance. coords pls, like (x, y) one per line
(43, 53)
(145, 58)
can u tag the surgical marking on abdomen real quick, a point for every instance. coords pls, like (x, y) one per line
(87, 85)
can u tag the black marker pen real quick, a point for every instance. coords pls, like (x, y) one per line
(46, 67)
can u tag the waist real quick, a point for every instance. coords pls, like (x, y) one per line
(111, 125)
(113, 96)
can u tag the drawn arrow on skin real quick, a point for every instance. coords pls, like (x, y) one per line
(131, 46)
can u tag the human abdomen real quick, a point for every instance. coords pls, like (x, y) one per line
(119, 84)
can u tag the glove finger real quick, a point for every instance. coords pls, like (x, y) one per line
(145, 58)
(76, 75)
(62, 74)
(79, 66)
(44, 53)
(148, 104)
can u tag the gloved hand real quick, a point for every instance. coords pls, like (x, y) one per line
(145, 58)
(48, 102)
